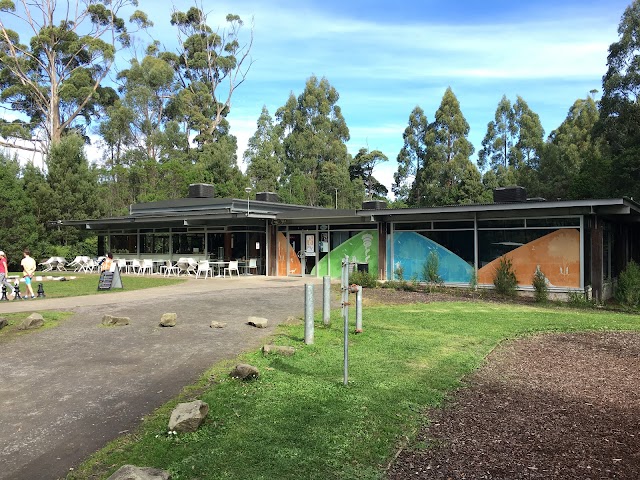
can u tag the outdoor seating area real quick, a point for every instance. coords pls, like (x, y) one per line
(184, 266)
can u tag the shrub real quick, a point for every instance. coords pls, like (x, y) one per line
(539, 282)
(430, 269)
(628, 288)
(364, 279)
(399, 271)
(505, 278)
(473, 279)
(579, 300)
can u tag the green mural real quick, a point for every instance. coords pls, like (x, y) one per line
(361, 248)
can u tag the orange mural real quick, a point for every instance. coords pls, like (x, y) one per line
(295, 267)
(557, 254)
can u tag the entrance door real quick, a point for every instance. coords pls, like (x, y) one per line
(303, 244)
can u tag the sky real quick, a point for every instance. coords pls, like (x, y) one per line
(385, 58)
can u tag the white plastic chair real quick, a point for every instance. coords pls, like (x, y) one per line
(233, 267)
(61, 264)
(204, 267)
(192, 269)
(48, 265)
(145, 266)
(168, 268)
(135, 266)
(252, 265)
(121, 263)
(89, 266)
(76, 263)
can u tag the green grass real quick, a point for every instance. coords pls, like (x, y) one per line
(299, 421)
(87, 284)
(51, 319)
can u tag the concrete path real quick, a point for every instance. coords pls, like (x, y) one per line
(66, 391)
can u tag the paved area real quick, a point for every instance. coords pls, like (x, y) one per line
(65, 392)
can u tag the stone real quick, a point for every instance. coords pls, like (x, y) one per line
(34, 320)
(215, 324)
(131, 472)
(3, 322)
(278, 349)
(168, 319)
(291, 320)
(111, 321)
(244, 371)
(258, 322)
(187, 417)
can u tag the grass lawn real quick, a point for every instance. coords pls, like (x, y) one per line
(87, 284)
(298, 421)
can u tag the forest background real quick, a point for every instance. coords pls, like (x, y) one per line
(162, 124)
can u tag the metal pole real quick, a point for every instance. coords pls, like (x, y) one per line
(308, 314)
(359, 309)
(345, 314)
(326, 300)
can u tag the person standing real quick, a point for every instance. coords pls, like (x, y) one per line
(28, 269)
(107, 262)
(4, 272)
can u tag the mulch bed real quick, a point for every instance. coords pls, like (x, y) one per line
(546, 407)
(553, 406)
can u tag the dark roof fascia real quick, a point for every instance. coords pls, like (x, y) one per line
(613, 206)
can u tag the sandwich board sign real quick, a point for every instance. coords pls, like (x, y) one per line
(109, 280)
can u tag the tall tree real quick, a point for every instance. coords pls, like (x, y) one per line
(56, 79)
(448, 164)
(619, 122)
(498, 143)
(362, 167)
(314, 140)
(208, 62)
(412, 158)
(264, 155)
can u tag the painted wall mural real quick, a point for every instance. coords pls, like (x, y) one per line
(361, 248)
(285, 250)
(411, 251)
(557, 254)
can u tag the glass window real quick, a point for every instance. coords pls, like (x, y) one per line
(606, 252)
(154, 243)
(509, 223)
(452, 225)
(459, 243)
(553, 222)
(188, 243)
(414, 227)
(125, 243)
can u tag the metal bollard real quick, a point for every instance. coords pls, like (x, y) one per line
(326, 300)
(308, 314)
(359, 309)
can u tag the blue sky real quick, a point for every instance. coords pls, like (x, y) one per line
(384, 59)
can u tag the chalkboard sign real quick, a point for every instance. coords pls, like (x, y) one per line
(109, 280)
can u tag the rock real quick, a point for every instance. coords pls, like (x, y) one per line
(187, 417)
(279, 349)
(131, 472)
(245, 371)
(168, 319)
(3, 322)
(110, 320)
(215, 324)
(291, 320)
(34, 320)
(258, 322)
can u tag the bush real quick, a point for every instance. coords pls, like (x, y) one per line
(539, 282)
(430, 269)
(473, 279)
(399, 272)
(628, 289)
(364, 279)
(579, 300)
(505, 278)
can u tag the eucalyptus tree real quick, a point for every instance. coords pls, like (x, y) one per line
(55, 80)
(362, 167)
(314, 135)
(447, 177)
(264, 155)
(412, 158)
(619, 123)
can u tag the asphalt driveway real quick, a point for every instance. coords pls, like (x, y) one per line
(67, 391)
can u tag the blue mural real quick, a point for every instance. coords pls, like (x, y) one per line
(411, 251)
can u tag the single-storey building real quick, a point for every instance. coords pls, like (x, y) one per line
(580, 245)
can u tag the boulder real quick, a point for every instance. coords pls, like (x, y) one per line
(131, 472)
(245, 371)
(3, 322)
(278, 349)
(187, 417)
(168, 319)
(215, 324)
(110, 320)
(34, 320)
(258, 322)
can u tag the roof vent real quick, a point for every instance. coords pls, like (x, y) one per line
(268, 197)
(201, 190)
(374, 205)
(509, 194)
